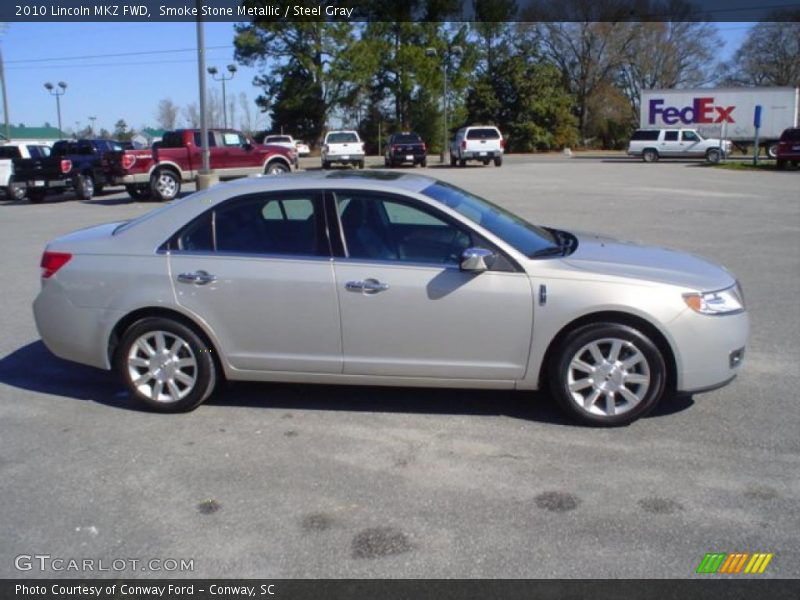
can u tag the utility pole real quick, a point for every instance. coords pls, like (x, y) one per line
(54, 92)
(5, 97)
(205, 178)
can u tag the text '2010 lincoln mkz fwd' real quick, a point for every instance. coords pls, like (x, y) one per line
(384, 278)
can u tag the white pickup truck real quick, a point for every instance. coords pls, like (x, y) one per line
(652, 144)
(342, 147)
(482, 142)
(8, 152)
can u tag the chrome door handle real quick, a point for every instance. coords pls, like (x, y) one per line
(367, 286)
(198, 277)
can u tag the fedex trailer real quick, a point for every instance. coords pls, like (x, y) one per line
(724, 113)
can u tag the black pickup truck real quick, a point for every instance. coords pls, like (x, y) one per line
(405, 147)
(72, 165)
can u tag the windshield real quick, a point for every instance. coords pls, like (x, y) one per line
(521, 235)
(277, 138)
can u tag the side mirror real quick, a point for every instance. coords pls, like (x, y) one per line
(247, 146)
(476, 260)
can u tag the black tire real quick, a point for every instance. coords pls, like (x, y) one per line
(16, 190)
(650, 155)
(276, 167)
(498, 161)
(203, 373)
(360, 164)
(36, 196)
(138, 191)
(423, 163)
(453, 161)
(485, 163)
(386, 163)
(98, 189)
(781, 164)
(462, 163)
(713, 155)
(649, 367)
(84, 186)
(165, 185)
(326, 165)
(772, 149)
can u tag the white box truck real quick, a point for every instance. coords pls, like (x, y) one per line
(724, 113)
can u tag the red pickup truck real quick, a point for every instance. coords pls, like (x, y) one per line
(161, 170)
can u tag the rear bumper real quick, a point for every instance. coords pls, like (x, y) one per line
(401, 157)
(71, 332)
(48, 184)
(481, 154)
(343, 158)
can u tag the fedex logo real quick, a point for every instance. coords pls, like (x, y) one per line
(702, 110)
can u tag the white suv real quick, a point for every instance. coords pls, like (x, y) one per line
(342, 147)
(652, 144)
(481, 142)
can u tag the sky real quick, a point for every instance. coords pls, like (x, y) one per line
(117, 83)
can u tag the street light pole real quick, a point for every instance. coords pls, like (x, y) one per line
(91, 127)
(452, 51)
(214, 72)
(54, 92)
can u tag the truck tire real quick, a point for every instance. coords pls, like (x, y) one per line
(498, 161)
(84, 186)
(360, 164)
(424, 163)
(165, 185)
(36, 196)
(713, 155)
(138, 191)
(326, 165)
(15, 190)
(650, 155)
(772, 149)
(462, 163)
(275, 167)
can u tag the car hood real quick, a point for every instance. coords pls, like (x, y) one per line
(605, 255)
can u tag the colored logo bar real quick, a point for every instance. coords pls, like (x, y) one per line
(735, 563)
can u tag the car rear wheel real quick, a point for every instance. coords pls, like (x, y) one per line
(423, 162)
(498, 161)
(276, 168)
(452, 161)
(16, 190)
(84, 186)
(607, 374)
(650, 155)
(165, 365)
(360, 164)
(165, 185)
(326, 165)
(462, 162)
(714, 156)
(781, 164)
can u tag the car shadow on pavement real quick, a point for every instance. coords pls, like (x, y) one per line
(33, 367)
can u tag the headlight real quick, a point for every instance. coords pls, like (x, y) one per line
(722, 302)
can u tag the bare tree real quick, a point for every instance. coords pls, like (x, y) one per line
(191, 115)
(668, 55)
(167, 114)
(246, 122)
(770, 55)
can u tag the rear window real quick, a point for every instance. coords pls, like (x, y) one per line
(791, 135)
(484, 133)
(406, 138)
(645, 135)
(341, 138)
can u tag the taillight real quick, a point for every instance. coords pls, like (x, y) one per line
(502, 143)
(394, 148)
(128, 160)
(424, 147)
(66, 165)
(52, 262)
(463, 144)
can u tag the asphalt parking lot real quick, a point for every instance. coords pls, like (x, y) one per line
(303, 481)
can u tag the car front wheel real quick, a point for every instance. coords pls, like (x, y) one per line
(650, 155)
(713, 156)
(165, 365)
(276, 168)
(607, 374)
(84, 187)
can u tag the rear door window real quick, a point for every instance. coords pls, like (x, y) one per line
(645, 135)
(483, 133)
(671, 136)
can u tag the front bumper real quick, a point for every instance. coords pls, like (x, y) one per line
(710, 350)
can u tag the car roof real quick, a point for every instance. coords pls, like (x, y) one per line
(368, 179)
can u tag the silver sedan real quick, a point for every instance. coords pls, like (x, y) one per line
(383, 278)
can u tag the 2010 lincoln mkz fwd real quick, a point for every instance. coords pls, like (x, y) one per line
(384, 278)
